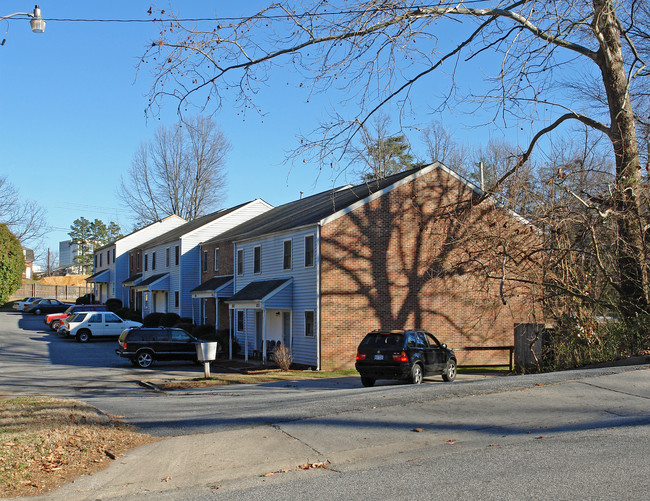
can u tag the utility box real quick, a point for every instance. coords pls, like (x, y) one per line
(206, 352)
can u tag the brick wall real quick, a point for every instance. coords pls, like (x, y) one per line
(225, 260)
(424, 256)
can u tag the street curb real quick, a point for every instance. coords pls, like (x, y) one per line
(150, 386)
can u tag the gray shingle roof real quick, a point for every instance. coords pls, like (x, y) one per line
(308, 210)
(257, 290)
(212, 284)
(150, 280)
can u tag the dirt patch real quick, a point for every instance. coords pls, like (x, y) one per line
(247, 377)
(45, 443)
(75, 280)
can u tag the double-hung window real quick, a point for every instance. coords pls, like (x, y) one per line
(257, 259)
(309, 250)
(286, 259)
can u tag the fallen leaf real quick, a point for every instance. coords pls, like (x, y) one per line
(267, 474)
(494, 445)
(166, 479)
(451, 441)
(419, 430)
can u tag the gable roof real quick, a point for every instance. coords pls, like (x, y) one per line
(110, 244)
(258, 291)
(176, 233)
(309, 210)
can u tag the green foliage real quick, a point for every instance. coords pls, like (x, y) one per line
(12, 263)
(88, 235)
(388, 156)
(129, 314)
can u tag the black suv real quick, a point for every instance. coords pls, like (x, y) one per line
(409, 355)
(143, 345)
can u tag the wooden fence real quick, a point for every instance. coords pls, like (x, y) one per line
(62, 292)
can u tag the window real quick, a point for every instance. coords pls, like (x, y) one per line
(100, 260)
(112, 318)
(130, 261)
(167, 257)
(95, 260)
(309, 323)
(153, 260)
(257, 259)
(240, 320)
(286, 261)
(309, 250)
(95, 318)
(178, 255)
(180, 336)
(216, 259)
(176, 299)
(146, 262)
(108, 258)
(113, 255)
(204, 261)
(240, 261)
(138, 260)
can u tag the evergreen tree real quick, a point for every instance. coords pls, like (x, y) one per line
(12, 263)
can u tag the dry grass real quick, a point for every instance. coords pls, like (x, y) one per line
(45, 443)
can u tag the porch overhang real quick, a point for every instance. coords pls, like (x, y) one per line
(132, 280)
(264, 294)
(154, 283)
(103, 276)
(215, 287)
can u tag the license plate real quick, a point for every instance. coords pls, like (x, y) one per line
(379, 357)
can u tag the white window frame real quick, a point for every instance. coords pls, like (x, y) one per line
(313, 251)
(216, 259)
(257, 263)
(240, 262)
(313, 323)
(284, 255)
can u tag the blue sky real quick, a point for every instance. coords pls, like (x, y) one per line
(72, 114)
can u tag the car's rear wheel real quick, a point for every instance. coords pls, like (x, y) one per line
(55, 324)
(450, 371)
(37, 311)
(83, 336)
(367, 381)
(416, 374)
(144, 359)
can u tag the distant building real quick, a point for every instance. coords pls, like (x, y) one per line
(29, 263)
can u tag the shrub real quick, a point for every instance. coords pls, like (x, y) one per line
(113, 304)
(129, 314)
(152, 319)
(205, 332)
(187, 327)
(282, 357)
(185, 320)
(169, 319)
(12, 263)
(86, 299)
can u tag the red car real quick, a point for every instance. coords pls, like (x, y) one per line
(54, 320)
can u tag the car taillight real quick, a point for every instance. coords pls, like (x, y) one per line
(400, 357)
(361, 356)
(124, 345)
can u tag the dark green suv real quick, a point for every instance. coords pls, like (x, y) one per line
(143, 345)
(409, 355)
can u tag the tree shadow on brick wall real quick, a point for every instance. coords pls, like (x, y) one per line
(423, 255)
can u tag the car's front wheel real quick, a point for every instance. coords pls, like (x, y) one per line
(416, 374)
(83, 336)
(144, 359)
(55, 324)
(450, 371)
(367, 381)
(37, 311)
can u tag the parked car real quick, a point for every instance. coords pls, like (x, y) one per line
(22, 305)
(47, 306)
(143, 345)
(88, 324)
(54, 320)
(409, 355)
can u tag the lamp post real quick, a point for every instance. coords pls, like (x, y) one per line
(37, 23)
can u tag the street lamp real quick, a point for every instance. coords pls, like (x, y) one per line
(37, 23)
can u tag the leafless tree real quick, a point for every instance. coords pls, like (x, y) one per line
(25, 218)
(441, 147)
(562, 61)
(181, 171)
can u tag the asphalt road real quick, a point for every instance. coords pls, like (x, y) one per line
(570, 435)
